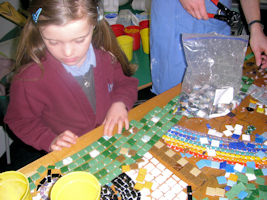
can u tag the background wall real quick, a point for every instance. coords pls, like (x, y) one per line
(5, 24)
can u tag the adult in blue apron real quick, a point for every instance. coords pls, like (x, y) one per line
(169, 20)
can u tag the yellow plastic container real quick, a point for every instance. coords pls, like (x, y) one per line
(14, 186)
(126, 44)
(145, 40)
(76, 186)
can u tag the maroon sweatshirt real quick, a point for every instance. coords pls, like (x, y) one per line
(43, 104)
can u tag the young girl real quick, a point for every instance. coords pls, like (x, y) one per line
(71, 76)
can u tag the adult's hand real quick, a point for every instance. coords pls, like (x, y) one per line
(258, 43)
(196, 8)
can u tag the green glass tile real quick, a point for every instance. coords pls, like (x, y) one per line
(143, 120)
(95, 145)
(117, 144)
(117, 136)
(160, 133)
(146, 127)
(151, 142)
(97, 175)
(123, 139)
(110, 167)
(72, 166)
(241, 177)
(107, 161)
(168, 116)
(116, 163)
(87, 157)
(155, 138)
(82, 153)
(64, 169)
(136, 157)
(141, 151)
(100, 148)
(250, 170)
(29, 179)
(174, 120)
(141, 132)
(32, 186)
(103, 181)
(51, 167)
(139, 143)
(117, 171)
(35, 176)
(92, 162)
(92, 170)
(133, 122)
(89, 148)
(107, 144)
(251, 186)
(263, 188)
(106, 153)
(41, 169)
(77, 169)
(146, 147)
(99, 158)
(99, 165)
(103, 172)
(260, 180)
(150, 123)
(59, 164)
(113, 156)
(129, 161)
(164, 120)
(85, 166)
(80, 161)
(262, 195)
(255, 192)
(126, 145)
(258, 172)
(112, 139)
(139, 125)
(135, 147)
(102, 140)
(154, 129)
(160, 115)
(112, 148)
(74, 156)
(131, 141)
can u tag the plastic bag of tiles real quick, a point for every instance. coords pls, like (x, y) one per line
(213, 77)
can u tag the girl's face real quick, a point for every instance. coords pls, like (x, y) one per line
(68, 43)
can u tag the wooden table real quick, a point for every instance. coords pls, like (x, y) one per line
(136, 113)
(243, 117)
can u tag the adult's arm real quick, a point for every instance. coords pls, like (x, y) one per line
(258, 40)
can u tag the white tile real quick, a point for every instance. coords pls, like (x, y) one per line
(154, 161)
(177, 188)
(164, 188)
(167, 172)
(171, 182)
(160, 179)
(183, 184)
(149, 177)
(154, 186)
(148, 155)
(157, 194)
(149, 167)
(182, 195)
(161, 167)
(155, 172)
(175, 177)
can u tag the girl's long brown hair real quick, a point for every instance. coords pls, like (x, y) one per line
(31, 47)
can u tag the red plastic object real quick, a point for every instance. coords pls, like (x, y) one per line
(118, 29)
(134, 31)
(144, 24)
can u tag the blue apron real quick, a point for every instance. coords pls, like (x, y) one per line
(168, 21)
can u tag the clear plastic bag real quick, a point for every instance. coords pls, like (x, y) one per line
(214, 71)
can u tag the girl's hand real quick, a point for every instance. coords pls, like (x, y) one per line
(65, 139)
(117, 114)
